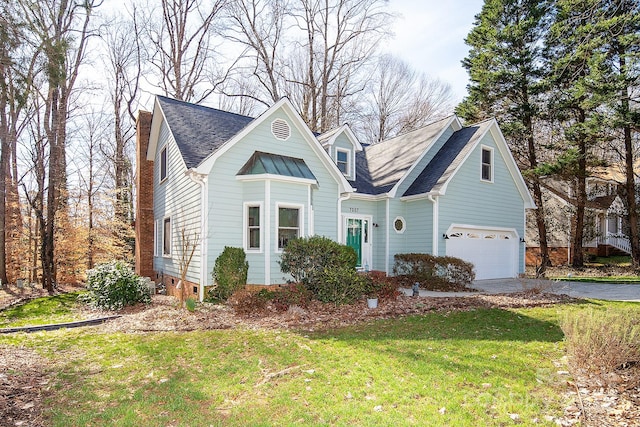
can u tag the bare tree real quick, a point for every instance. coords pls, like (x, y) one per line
(124, 70)
(258, 25)
(339, 37)
(398, 100)
(182, 44)
(60, 31)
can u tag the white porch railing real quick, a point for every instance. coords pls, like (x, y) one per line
(619, 241)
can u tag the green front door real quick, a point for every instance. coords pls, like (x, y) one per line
(354, 237)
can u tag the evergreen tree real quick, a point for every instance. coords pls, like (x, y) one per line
(620, 31)
(506, 71)
(575, 50)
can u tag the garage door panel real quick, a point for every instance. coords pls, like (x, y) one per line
(494, 257)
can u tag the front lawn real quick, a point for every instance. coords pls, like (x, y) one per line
(479, 367)
(41, 311)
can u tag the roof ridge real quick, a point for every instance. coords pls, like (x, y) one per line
(200, 106)
(414, 130)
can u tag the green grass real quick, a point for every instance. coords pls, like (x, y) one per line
(41, 311)
(480, 366)
(603, 279)
(619, 260)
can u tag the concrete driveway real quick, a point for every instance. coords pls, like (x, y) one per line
(612, 292)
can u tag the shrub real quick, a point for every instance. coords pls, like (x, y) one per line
(249, 303)
(229, 274)
(292, 294)
(434, 272)
(114, 285)
(324, 267)
(190, 303)
(600, 342)
(378, 285)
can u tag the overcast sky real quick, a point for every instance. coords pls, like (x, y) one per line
(430, 37)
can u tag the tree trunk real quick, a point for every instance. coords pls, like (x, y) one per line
(581, 199)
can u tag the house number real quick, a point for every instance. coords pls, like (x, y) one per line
(354, 210)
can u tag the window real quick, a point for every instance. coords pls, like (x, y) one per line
(288, 225)
(166, 236)
(163, 164)
(253, 239)
(342, 160)
(399, 224)
(487, 164)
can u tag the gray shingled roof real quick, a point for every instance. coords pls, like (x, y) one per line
(200, 130)
(444, 164)
(380, 166)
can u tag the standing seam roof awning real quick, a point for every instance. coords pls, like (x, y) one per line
(274, 164)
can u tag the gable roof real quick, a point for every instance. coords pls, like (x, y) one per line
(329, 137)
(435, 175)
(199, 130)
(379, 167)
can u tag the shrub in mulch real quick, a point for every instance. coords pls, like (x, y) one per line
(279, 299)
(437, 273)
(379, 285)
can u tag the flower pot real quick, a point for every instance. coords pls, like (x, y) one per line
(372, 302)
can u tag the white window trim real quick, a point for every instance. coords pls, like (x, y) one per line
(404, 225)
(490, 150)
(167, 217)
(165, 150)
(277, 221)
(245, 226)
(348, 153)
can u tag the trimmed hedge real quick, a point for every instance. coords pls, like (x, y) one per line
(433, 272)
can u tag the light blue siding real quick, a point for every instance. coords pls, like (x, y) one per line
(227, 195)
(468, 200)
(419, 218)
(342, 142)
(178, 197)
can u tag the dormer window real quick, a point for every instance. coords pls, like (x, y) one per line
(342, 160)
(487, 164)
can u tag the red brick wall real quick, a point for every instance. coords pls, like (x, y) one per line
(558, 255)
(144, 201)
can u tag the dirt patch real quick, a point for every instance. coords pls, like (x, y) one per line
(23, 383)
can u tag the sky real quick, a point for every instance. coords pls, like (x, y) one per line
(429, 35)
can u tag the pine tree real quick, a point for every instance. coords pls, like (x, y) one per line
(619, 27)
(506, 73)
(576, 53)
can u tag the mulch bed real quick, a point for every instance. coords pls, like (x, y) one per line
(23, 374)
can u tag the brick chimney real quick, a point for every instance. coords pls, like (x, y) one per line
(144, 202)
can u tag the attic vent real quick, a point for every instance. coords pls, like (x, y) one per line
(280, 129)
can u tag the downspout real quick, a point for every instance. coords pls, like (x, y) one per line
(436, 224)
(201, 180)
(341, 199)
(386, 249)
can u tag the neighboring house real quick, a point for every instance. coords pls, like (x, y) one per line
(256, 183)
(604, 225)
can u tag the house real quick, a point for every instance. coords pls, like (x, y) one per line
(605, 218)
(212, 179)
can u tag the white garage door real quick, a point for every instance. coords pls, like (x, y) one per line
(493, 252)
